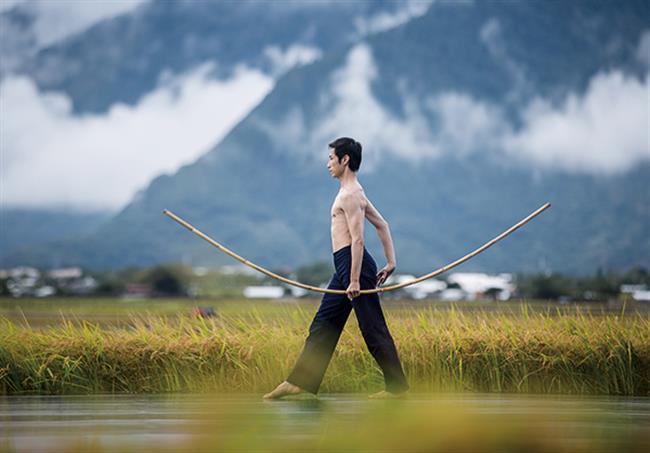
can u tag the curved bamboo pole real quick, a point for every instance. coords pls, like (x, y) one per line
(363, 291)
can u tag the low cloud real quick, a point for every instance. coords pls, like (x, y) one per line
(601, 131)
(491, 35)
(350, 108)
(386, 20)
(52, 157)
(353, 110)
(294, 55)
(604, 131)
(465, 126)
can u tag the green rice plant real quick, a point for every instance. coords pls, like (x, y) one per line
(252, 348)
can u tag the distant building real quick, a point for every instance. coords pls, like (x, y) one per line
(479, 285)
(22, 280)
(238, 269)
(637, 292)
(44, 291)
(421, 290)
(84, 285)
(72, 280)
(65, 273)
(263, 292)
(138, 291)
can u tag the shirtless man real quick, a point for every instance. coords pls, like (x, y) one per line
(355, 270)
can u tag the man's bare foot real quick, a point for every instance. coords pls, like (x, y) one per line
(285, 388)
(384, 395)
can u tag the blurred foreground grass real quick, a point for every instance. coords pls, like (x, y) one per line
(339, 423)
(159, 346)
(434, 426)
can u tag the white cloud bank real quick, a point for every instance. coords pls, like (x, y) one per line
(604, 131)
(49, 156)
(601, 131)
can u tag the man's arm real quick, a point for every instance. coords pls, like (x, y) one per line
(383, 231)
(353, 209)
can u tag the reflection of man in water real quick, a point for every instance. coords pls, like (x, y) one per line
(355, 270)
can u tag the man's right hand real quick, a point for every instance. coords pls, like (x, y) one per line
(383, 274)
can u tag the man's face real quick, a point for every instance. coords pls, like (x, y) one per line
(335, 168)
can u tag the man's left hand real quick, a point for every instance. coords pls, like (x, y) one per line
(353, 290)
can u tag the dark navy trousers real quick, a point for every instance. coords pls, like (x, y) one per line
(327, 325)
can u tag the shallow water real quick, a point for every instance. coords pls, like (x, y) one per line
(155, 422)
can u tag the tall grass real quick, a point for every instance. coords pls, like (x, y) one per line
(441, 350)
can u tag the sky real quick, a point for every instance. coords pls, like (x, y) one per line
(602, 131)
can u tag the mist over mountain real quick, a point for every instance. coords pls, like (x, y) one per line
(471, 116)
(137, 88)
(123, 57)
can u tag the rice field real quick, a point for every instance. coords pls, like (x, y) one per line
(249, 347)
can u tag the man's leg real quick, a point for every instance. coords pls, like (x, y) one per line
(379, 341)
(324, 333)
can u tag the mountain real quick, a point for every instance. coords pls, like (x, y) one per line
(448, 107)
(24, 229)
(120, 59)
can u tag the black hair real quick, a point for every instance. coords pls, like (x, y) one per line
(349, 146)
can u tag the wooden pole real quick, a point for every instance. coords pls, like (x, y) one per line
(363, 291)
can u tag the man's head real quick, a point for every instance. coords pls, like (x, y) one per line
(345, 153)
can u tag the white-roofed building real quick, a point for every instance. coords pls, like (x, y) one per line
(637, 292)
(263, 292)
(65, 273)
(477, 284)
(421, 290)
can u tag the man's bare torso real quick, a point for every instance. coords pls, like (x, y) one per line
(340, 232)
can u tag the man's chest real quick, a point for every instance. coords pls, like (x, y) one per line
(336, 210)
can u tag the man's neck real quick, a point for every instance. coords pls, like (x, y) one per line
(348, 179)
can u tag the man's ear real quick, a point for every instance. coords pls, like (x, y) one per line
(345, 160)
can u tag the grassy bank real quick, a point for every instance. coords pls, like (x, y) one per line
(252, 351)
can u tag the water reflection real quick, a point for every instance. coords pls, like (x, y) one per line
(243, 422)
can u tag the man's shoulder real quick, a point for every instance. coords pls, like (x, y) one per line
(354, 198)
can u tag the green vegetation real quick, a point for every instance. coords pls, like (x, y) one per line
(316, 273)
(250, 347)
(600, 286)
